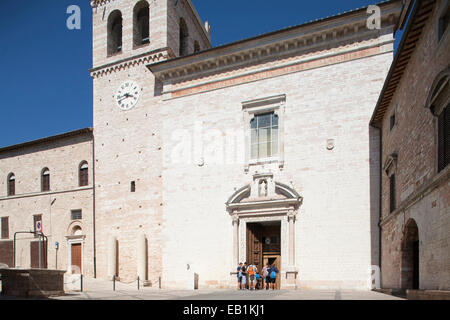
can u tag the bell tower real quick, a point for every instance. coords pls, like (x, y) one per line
(128, 35)
(128, 28)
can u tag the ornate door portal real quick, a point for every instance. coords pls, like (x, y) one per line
(259, 212)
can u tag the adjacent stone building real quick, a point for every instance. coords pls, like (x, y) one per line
(48, 181)
(414, 120)
(201, 158)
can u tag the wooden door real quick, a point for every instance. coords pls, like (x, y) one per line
(34, 254)
(76, 258)
(274, 260)
(254, 245)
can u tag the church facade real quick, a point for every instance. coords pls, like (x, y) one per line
(201, 158)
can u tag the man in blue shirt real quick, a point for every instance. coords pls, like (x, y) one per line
(239, 275)
(273, 271)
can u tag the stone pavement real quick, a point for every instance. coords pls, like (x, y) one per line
(95, 289)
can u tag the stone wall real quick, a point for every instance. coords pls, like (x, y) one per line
(32, 283)
(414, 139)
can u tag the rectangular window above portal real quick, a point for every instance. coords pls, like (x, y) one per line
(264, 136)
(264, 124)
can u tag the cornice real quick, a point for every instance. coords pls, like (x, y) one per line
(273, 46)
(208, 79)
(423, 191)
(47, 193)
(293, 201)
(99, 3)
(145, 58)
(264, 101)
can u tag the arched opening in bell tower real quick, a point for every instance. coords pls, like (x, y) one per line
(114, 32)
(184, 37)
(141, 23)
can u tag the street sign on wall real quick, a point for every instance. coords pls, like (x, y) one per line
(38, 226)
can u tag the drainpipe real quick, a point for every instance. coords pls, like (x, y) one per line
(93, 204)
(380, 202)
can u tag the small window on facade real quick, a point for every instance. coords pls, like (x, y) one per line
(184, 38)
(5, 227)
(443, 139)
(11, 184)
(45, 180)
(114, 32)
(196, 47)
(36, 218)
(133, 186)
(84, 174)
(392, 122)
(141, 24)
(264, 136)
(393, 119)
(76, 215)
(392, 199)
(443, 22)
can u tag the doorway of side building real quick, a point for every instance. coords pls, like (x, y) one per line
(76, 258)
(410, 256)
(264, 245)
(75, 249)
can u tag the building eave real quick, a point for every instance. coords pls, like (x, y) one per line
(419, 17)
(80, 132)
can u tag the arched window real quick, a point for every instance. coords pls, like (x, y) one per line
(444, 21)
(184, 36)
(114, 32)
(196, 47)
(438, 102)
(141, 26)
(45, 180)
(11, 190)
(83, 175)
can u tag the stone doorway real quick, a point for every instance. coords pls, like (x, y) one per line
(264, 245)
(262, 211)
(410, 256)
(75, 244)
(76, 258)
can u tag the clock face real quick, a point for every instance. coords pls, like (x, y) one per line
(127, 95)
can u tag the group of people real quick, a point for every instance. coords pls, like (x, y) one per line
(249, 277)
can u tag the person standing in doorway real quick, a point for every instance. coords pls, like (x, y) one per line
(259, 281)
(239, 275)
(252, 271)
(265, 277)
(244, 276)
(273, 276)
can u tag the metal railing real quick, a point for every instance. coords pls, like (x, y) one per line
(39, 234)
(126, 283)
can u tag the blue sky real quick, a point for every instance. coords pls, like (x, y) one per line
(45, 87)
